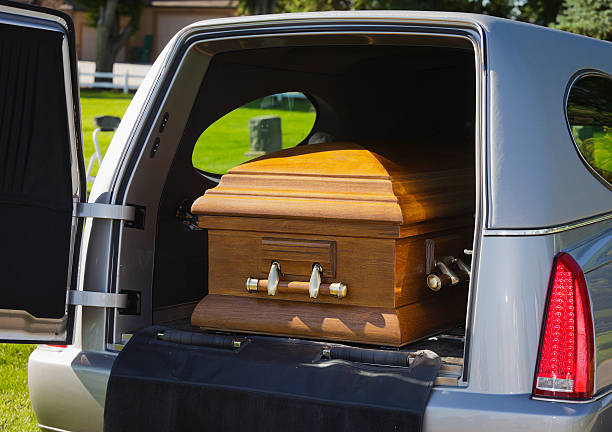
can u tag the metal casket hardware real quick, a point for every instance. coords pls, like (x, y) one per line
(446, 276)
(313, 288)
(315, 280)
(273, 278)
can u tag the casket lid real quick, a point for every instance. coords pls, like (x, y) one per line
(341, 181)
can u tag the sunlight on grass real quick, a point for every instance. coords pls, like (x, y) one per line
(219, 148)
(595, 145)
(15, 410)
(223, 144)
(94, 104)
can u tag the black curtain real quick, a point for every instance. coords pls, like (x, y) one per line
(35, 178)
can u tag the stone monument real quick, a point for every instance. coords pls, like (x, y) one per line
(264, 135)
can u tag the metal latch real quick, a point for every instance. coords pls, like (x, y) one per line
(104, 211)
(98, 299)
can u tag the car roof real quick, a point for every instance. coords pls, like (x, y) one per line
(487, 22)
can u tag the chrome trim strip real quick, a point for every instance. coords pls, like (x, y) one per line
(546, 231)
(586, 401)
(479, 43)
(51, 429)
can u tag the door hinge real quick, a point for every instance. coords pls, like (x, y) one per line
(104, 211)
(98, 299)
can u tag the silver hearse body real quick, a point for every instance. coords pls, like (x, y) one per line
(535, 198)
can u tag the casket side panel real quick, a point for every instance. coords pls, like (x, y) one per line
(411, 262)
(369, 325)
(365, 265)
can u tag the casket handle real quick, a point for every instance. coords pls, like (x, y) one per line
(446, 276)
(273, 278)
(313, 288)
(315, 280)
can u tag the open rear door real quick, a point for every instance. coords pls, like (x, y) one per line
(41, 173)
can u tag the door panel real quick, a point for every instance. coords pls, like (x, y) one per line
(41, 167)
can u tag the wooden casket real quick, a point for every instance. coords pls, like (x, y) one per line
(333, 241)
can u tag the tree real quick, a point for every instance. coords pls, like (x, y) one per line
(283, 6)
(256, 7)
(587, 17)
(106, 15)
(503, 8)
(498, 8)
(542, 12)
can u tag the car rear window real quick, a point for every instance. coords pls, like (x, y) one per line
(589, 113)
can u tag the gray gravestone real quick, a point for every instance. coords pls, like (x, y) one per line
(264, 135)
(107, 123)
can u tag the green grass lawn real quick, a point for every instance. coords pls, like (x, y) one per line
(221, 146)
(96, 103)
(15, 410)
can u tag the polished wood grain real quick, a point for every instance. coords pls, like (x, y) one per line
(365, 265)
(298, 255)
(377, 272)
(331, 227)
(368, 325)
(338, 181)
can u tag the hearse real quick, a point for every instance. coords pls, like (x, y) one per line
(433, 253)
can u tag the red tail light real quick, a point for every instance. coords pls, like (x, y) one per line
(565, 366)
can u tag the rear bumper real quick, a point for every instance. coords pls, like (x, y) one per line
(460, 410)
(68, 389)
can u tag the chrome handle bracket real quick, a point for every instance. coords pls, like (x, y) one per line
(445, 277)
(273, 278)
(338, 289)
(251, 284)
(463, 267)
(315, 281)
(444, 268)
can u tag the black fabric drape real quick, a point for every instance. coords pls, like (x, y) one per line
(270, 384)
(35, 176)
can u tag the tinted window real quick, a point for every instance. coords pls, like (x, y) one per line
(263, 126)
(589, 111)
